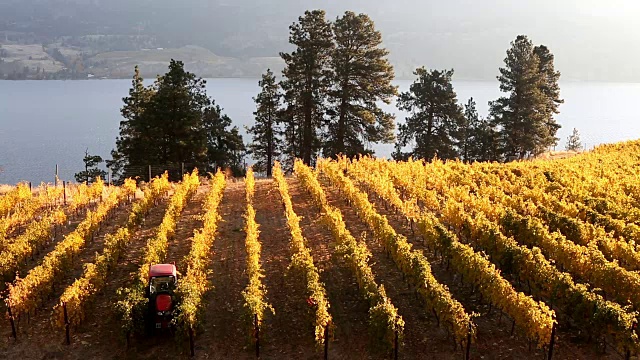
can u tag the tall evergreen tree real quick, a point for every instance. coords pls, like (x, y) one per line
(290, 121)
(175, 114)
(525, 117)
(306, 83)
(265, 147)
(476, 138)
(361, 77)
(134, 143)
(466, 134)
(551, 91)
(434, 114)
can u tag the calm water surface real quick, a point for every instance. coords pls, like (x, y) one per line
(44, 123)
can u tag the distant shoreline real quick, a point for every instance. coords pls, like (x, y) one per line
(258, 78)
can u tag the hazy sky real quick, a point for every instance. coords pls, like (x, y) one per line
(595, 40)
(592, 40)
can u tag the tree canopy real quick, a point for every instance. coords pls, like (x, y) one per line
(525, 117)
(265, 147)
(173, 122)
(306, 83)
(435, 114)
(91, 171)
(360, 77)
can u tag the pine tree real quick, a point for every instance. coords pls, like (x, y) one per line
(573, 141)
(173, 122)
(551, 90)
(265, 147)
(133, 144)
(486, 145)
(434, 115)
(306, 84)
(290, 120)
(466, 134)
(476, 138)
(361, 77)
(91, 171)
(175, 117)
(525, 118)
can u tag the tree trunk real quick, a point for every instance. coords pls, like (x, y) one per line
(270, 146)
(307, 131)
(429, 144)
(340, 145)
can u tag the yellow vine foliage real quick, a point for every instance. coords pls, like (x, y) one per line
(384, 318)
(534, 318)
(194, 284)
(41, 231)
(81, 195)
(79, 295)
(14, 198)
(132, 299)
(302, 261)
(578, 215)
(413, 264)
(27, 293)
(255, 292)
(36, 235)
(45, 197)
(156, 249)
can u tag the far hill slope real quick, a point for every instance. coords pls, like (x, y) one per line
(120, 64)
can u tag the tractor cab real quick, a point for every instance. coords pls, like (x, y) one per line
(163, 280)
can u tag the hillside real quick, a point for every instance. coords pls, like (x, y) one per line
(470, 37)
(60, 62)
(529, 248)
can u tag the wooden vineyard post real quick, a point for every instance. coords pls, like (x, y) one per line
(13, 324)
(326, 342)
(468, 350)
(66, 323)
(395, 346)
(191, 344)
(553, 340)
(257, 333)
(149, 173)
(627, 354)
(64, 191)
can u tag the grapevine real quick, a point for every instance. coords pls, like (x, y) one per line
(302, 261)
(255, 292)
(384, 317)
(79, 295)
(27, 293)
(194, 284)
(412, 263)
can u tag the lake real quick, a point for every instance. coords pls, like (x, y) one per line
(44, 123)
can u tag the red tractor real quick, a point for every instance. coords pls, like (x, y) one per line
(163, 280)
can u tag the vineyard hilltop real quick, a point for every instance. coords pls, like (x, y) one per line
(361, 259)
